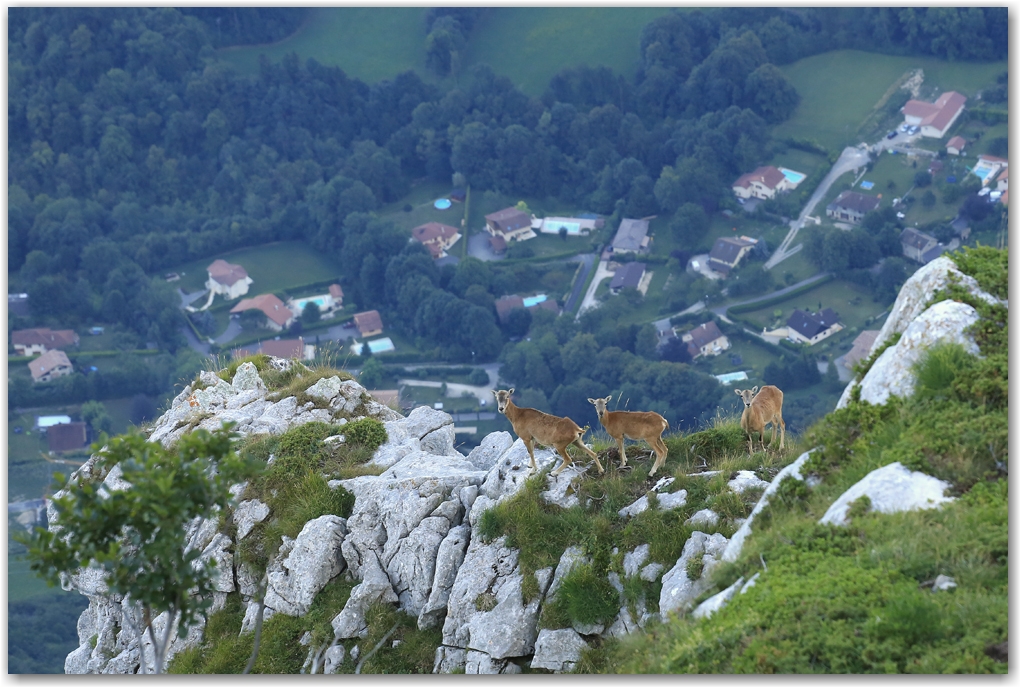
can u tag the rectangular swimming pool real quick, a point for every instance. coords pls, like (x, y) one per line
(300, 303)
(791, 176)
(534, 300)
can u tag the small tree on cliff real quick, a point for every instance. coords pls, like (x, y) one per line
(136, 534)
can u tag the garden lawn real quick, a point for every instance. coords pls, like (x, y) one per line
(839, 89)
(754, 360)
(421, 199)
(273, 267)
(367, 43)
(851, 302)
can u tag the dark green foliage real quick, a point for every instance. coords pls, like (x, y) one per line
(585, 597)
(41, 631)
(367, 433)
(306, 440)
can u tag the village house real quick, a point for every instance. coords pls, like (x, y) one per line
(369, 323)
(705, 339)
(510, 224)
(727, 252)
(851, 206)
(70, 436)
(861, 348)
(810, 328)
(920, 246)
(1002, 181)
(506, 304)
(436, 237)
(956, 145)
(631, 237)
(498, 244)
(763, 183)
(988, 168)
(42, 339)
(337, 294)
(50, 365)
(627, 276)
(231, 281)
(934, 118)
(280, 348)
(278, 315)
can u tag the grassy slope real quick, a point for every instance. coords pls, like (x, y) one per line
(838, 89)
(271, 266)
(368, 43)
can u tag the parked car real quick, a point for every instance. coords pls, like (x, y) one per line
(891, 134)
(904, 128)
(913, 129)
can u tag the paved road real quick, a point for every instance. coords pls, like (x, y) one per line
(454, 389)
(586, 260)
(850, 159)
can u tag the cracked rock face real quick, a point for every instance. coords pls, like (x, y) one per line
(558, 650)
(305, 565)
(678, 589)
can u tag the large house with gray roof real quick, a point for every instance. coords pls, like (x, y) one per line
(631, 237)
(851, 206)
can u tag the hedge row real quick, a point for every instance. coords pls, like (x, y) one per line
(775, 300)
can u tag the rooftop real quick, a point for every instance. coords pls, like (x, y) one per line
(809, 325)
(631, 235)
(226, 273)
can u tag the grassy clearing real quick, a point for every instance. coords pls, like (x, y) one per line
(368, 43)
(838, 89)
(858, 599)
(272, 267)
(853, 304)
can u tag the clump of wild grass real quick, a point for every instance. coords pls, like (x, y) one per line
(938, 367)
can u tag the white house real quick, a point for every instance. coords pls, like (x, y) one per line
(231, 281)
(934, 118)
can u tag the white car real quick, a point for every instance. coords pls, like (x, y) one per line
(913, 129)
(904, 128)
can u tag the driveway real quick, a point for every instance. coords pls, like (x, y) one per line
(850, 159)
(601, 272)
(478, 247)
(586, 260)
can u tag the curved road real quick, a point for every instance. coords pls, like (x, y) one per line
(850, 159)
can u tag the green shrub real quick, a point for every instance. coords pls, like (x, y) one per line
(938, 367)
(366, 432)
(586, 597)
(306, 439)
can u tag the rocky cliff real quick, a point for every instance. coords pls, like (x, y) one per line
(414, 539)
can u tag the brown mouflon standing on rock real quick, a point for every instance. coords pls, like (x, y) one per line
(759, 410)
(533, 426)
(633, 425)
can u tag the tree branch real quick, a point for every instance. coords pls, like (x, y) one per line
(357, 671)
(258, 623)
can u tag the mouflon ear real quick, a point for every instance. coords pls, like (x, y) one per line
(608, 397)
(754, 390)
(736, 391)
(591, 400)
(511, 392)
(494, 393)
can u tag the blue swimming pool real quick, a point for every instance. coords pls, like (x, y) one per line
(573, 228)
(300, 303)
(534, 300)
(792, 177)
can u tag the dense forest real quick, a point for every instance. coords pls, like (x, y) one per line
(131, 151)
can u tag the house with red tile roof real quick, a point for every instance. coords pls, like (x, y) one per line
(369, 323)
(278, 315)
(934, 118)
(42, 339)
(956, 145)
(50, 365)
(230, 280)
(763, 183)
(438, 238)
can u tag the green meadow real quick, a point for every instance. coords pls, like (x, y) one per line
(838, 89)
(272, 267)
(526, 44)
(368, 43)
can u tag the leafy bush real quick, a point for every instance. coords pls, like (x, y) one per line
(366, 432)
(937, 368)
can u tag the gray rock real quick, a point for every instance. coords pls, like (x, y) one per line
(511, 471)
(486, 611)
(571, 558)
(312, 561)
(713, 603)
(487, 453)
(892, 489)
(633, 561)
(746, 479)
(449, 659)
(350, 395)
(375, 586)
(326, 388)
(412, 567)
(558, 650)
(562, 489)
(426, 464)
(247, 378)
(334, 658)
(481, 663)
(76, 662)
(449, 558)
(943, 583)
(665, 502)
(440, 442)
(277, 417)
(223, 560)
(892, 374)
(247, 514)
(250, 615)
(703, 517)
(737, 540)
(651, 572)
(381, 412)
(678, 590)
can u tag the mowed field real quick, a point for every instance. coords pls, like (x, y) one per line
(368, 43)
(530, 44)
(271, 266)
(526, 44)
(839, 89)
